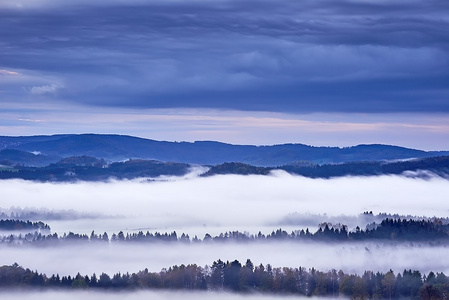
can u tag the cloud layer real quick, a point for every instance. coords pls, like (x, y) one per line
(303, 56)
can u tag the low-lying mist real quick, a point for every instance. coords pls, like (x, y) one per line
(154, 295)
(229, 201)
(113, 258)
(217, 204)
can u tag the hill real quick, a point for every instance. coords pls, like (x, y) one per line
(415, 167)
(91, 169)
(11, 157)
(121, 147)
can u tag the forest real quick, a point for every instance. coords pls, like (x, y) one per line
(92, 169)
(86, 168)
(8, 224)
(238, 277)
(246, 278)
(432, 230)
(437, 165)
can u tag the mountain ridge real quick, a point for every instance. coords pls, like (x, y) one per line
(114, 147)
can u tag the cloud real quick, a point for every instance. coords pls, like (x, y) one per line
(30, 120)
(308, 57)
(45, 89)
(10, 73)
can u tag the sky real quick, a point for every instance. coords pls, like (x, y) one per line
(323, 73)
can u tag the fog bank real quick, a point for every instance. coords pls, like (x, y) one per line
(128, 257)
(229, 201)
(218, 204)
(154, 295)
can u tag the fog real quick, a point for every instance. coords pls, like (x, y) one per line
(129, 257)
(217, 204)
(228, 201)
(154, 295)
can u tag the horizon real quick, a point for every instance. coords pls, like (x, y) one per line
(221, 142)
(336, 74)
(251, 128)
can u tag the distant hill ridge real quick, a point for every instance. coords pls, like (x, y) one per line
(121, 147)
(422, 167)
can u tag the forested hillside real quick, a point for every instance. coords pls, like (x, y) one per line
(120, 147)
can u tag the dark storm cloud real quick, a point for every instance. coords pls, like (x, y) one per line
(249, 55)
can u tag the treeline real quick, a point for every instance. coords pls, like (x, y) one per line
(389, 229)
(88, 168)
(245, 278)
(237, 168)
(91, 169)
(438, 165)
(43, 214)
(8, 224)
